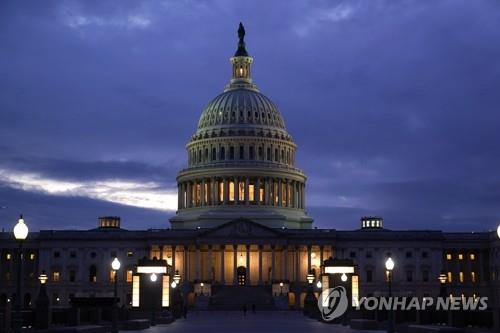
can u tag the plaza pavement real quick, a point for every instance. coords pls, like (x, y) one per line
(261, 322)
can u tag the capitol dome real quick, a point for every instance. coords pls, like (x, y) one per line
(241, 160)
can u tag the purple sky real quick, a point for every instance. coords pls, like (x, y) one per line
(394, 105)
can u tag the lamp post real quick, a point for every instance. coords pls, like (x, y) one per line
(20, 234)
(42, 304)
(310, 300)
(442, 293)
(281, 288)
(177, 299)
(115, 265)
(389, 266)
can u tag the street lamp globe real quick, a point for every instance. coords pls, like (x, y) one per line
(318, 284)
(153, 277)
(343, 277)
(173, 284)
(116, 264)
(498, 231)
(281, 284)
(442, 278)
(20, 229)
(389, 264)
(43, 278)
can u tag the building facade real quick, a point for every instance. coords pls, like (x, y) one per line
(241, 221)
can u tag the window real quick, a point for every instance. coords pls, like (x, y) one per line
(461, 277)
(425, 254)
(130, 254)
(93, 255)
(231, 191)
(113, 254)
(369, 275)
(472, 256)
(231, 153)
(242, 152)
(241, 191)
(93, 274)
(448, 256)
(425, 276)
(251, 153)
(352, 254)
(57, 254)
(460, 256)
(450, 277)
(268, 154)
(56, 276)
(72, 275)
(55, 298)
(8, 256)
(409, 254)
(112, 276)
(409, 276)
(221, 191)
(473, 277)
(222, 153)
(129, 275)
(276, 155)
(72, 254)
(368, 254)
(251, 192)
(214, 154)
(260, 153)
(32, 256)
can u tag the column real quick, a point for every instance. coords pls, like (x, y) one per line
(247, 194)
(260, 264)
(235, 264)
(266, 191)
(211, 264)
(273, 265)
(248, 265)
(280, 193)
(226, 190)
(189, 201)
(297, 264)
(179, 195)
(236, 190)
(186, 263)
(222, 270)
(257, 185)
(173, 258)
(285, 184)
(198, 263)
(303, 196)
(308, 258)
(285, 262)
(202, 199)
(320, 256)
(212, 197)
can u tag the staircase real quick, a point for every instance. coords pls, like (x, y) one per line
(234, 297)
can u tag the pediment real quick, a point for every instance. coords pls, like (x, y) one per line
(240, 228)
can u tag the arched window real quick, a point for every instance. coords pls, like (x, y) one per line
(231, 153)
(222, 153)
(251, 153)
(214, 154)
(276, 154)
(268, 154)
(93, 274)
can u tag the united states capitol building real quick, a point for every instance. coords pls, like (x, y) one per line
(242, 226)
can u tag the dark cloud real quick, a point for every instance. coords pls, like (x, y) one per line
(394, 105)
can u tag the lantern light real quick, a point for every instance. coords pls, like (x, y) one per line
(177, 277)
(389, 264)
(153, 277)
(116, 264)
(43, 278)
(310, 278)
(173, 284)
(318, 284)
(20, 229)
(343, 277)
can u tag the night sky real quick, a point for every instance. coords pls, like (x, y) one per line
(394, 105)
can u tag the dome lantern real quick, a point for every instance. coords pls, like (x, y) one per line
(242, 64)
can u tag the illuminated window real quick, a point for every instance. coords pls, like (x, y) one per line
(448, 256)
(241, 191)
(355, 290)
(461, 277)
(135, 291)
(473, 277)
(112, 276)
(460, 256)
(276, 193)
(8, 256)
(93, 274)
(206, 193)
(129, 277)
(450, 277)
(165, 295)
(251, 194)
(130, 254)
(472, 256)
(221, 191)
(283, 194)
(261, 193)
(231, 191)
(32, 256)
(56, 276)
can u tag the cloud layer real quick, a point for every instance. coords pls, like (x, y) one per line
(394, 105)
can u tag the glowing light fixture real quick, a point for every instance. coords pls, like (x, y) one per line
(43, 278)
(310, 278)
(115, 265)
(389, 264)
(153, 277)
(318, 284)
(343, 277)
(20, 229)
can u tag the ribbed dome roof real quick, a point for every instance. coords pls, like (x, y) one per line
(241, 108)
